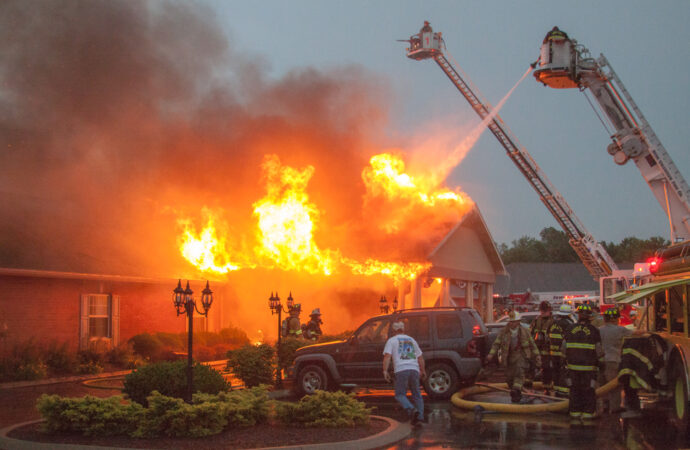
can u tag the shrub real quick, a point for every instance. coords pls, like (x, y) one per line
(253, 364)
(59, 359)
(175, 341)
(121, 356)
(324, 409)
(287, 349)
(23, 361)
(234, 336)
(147, 346)
(170, 378)
(203, 353)
(90, 357)
(89, 368)
(245, 407)
(173, 417)
(89, 415)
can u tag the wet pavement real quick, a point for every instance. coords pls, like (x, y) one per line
(451, 427)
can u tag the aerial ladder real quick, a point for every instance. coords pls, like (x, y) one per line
(563, 64)
(429, 45)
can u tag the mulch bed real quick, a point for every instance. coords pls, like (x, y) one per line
(264, 435)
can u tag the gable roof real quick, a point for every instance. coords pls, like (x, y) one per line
(545, 277)
(467, 252)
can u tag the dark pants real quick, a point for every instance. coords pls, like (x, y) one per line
(547, 370)
(558, 375)
(583, 400)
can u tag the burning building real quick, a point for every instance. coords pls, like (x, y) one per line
(140, 146)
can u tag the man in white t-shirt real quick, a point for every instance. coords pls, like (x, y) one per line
(408, 365)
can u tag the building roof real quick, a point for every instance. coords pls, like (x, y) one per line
(467, 252)
(545, 277)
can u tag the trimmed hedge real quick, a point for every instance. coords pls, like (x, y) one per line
(89, 415)
(170, 379)
(165, 416)
(253, 364)
(324, 409)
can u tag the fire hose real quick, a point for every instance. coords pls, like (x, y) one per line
(458, 399)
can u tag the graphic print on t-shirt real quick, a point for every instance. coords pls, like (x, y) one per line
(406, 349)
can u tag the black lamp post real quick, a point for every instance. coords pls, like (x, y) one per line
(184, 304)
(277, 308)
(383, 305)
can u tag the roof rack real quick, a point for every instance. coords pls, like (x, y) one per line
(432, 308)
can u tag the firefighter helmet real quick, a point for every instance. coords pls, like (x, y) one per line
(612, 313)
(513, 316)
(316, 312)
(544, 306)
(565, 310)
(584, 309)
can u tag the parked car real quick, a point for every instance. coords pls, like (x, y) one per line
(453, 342)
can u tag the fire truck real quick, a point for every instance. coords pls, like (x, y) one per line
(430, 45)
(563, 63)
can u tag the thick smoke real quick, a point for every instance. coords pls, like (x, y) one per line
(119, 117)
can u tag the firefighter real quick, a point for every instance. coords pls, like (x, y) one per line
(312, 329)
(583, 357)
(517, 350)
(540, 331)
(557, 331)
(612, 336)
(426, 28)
(292, 327)
(555, 35)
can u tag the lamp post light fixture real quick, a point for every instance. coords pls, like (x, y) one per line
(184, 302)
(383, 305)
(395, 304)
(277, 308)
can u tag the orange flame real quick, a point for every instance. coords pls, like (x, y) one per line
(287, 220)
(206, 250)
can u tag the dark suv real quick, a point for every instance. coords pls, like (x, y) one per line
(453, 341)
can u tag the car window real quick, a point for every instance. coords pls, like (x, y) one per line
(375, 331)
(417, 326)
(448, 326)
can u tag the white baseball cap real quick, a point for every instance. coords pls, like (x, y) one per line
(398, 326)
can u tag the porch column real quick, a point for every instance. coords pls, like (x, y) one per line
(416, 293)
(489, 303)
(445, 293)
(469, 294)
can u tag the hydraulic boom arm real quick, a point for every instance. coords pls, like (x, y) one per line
(427, 44)
(563, 63)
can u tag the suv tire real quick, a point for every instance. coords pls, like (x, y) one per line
(310, 379)
(441, 381)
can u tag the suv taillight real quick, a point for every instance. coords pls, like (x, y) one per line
(476, 330)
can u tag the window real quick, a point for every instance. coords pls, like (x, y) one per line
(100, 319)
(99, 316)
(449, 326)
(417, 326)
(375, 331)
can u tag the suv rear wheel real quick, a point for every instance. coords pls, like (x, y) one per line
(441, 381)
(310, 379)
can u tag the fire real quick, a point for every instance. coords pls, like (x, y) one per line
(408, 271)
(386, 177)
(286, 220)
(205, 250)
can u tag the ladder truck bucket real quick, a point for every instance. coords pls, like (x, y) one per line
(557, 63)
(425, 44)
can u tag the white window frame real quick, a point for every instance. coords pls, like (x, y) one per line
(113, 315)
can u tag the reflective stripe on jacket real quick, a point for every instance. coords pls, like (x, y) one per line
(582, 345)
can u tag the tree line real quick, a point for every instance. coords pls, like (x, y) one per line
(553, 246)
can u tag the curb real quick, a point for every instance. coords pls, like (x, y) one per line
(395, 432)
